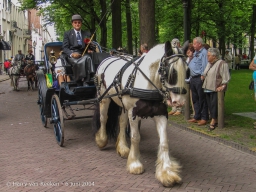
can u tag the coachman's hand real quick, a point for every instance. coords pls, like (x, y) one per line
(76, 55)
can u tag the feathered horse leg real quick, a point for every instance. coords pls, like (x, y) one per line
(167, 169)
(134, 165)
(121, 145)
(16, 82)
(101, 137)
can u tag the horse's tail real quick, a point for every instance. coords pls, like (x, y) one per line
(112, 125)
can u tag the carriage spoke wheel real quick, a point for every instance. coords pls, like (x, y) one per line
(41, 108)
(57, 119)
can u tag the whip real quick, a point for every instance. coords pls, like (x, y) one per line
(97, 28)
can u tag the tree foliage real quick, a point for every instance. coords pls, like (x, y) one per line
(226, 22)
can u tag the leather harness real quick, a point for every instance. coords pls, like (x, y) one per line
(155, 95)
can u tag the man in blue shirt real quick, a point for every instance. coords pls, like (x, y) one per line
(197, 66)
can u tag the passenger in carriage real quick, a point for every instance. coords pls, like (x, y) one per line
(74, 44)
(30, 58)
(59, 70)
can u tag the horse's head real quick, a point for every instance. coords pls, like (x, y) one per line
(174, 71)
(19, 63)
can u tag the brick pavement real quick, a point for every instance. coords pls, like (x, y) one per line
(31, 157)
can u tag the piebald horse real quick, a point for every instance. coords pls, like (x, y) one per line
(141, 90)
(14, 74)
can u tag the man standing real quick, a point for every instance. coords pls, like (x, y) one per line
(197, 66)
(228, 60)
(74, 46)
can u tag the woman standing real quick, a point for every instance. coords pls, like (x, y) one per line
(216, 77)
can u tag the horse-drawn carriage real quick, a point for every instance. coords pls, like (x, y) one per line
(56, 102)
(124, 91)
(23, 70)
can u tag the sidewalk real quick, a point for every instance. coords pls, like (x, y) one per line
(4, 77)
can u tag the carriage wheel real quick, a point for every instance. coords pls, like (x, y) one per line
(44, 119)
(128, 129)
(57, 119)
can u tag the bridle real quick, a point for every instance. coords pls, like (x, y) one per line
(164, 71)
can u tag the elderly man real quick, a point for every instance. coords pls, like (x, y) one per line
(74, 46)
(228, 60)
(197, 66)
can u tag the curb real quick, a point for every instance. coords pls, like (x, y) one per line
(7, 78)
(217, 139)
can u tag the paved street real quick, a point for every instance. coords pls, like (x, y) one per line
(31, 160)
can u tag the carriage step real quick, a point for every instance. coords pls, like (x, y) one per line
(53, 121)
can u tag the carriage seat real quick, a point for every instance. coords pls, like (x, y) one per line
(66, 65)
(78, 71)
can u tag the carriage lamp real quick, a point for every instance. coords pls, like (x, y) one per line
(34, 46)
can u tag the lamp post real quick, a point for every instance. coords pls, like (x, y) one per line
(185, 19)
(186, 37)
(34, 46)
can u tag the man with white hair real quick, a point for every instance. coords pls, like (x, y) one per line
(74, 44)
(197, 66)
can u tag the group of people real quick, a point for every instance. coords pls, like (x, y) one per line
(20, 57)
(209, 74)
(237, 60)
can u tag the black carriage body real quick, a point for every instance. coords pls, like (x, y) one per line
(69, 91)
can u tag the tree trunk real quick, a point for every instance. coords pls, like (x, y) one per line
(93, 25)
(129, 27)
(147, 22)
(116, 25)
(103, 25)
(240, 43)
(252, 31)
(221, 31)
(189, 18)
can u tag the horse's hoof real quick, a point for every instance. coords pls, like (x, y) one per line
(101, 141)
(168, 176)
(123, 151)
(135, 167)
